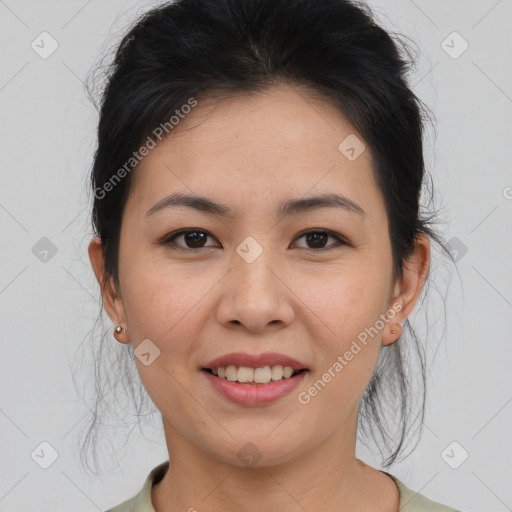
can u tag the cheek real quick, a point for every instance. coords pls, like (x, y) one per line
(166, 305)
(347, 301)
(349, 353)
(164, 310)
(150, 302)
(154, 294)
(349, 308)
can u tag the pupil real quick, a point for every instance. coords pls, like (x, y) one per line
(315, 240)
(193, 237)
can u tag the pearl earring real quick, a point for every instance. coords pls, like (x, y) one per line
(393, 331)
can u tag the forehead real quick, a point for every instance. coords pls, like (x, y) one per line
(279, 142)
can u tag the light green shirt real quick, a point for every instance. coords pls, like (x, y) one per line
(410, 501)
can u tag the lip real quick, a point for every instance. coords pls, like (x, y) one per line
(254, 394)
(255, 361)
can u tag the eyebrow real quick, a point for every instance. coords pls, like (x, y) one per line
(291, 207)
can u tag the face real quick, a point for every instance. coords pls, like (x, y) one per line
(258, 278)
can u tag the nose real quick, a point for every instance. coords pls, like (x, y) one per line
(257, 294)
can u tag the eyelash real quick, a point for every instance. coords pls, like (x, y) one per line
(169, 240)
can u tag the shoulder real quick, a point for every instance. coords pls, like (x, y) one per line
(141, 502)
(412, 501)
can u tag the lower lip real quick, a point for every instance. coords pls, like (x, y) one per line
(254, 394)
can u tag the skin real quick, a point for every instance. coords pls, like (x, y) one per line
(200, 304)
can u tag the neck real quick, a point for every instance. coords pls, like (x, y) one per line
(325, 477)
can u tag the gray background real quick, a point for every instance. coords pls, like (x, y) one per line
(48, 302)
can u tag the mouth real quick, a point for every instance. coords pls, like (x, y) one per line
(254, 387)
(254, 376)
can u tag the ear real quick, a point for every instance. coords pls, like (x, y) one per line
(112, 301)
(407, 289)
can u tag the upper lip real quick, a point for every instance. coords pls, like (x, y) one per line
(255, 361)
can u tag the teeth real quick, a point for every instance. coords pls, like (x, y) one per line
(253, 375)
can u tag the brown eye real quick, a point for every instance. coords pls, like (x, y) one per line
(316, 239)
(193, 239)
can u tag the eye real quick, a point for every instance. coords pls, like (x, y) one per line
(318, 237)
(195, 237)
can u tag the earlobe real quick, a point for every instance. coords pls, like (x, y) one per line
(392, 333)
(119, 332)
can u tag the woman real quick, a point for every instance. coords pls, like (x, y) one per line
(260, 247)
